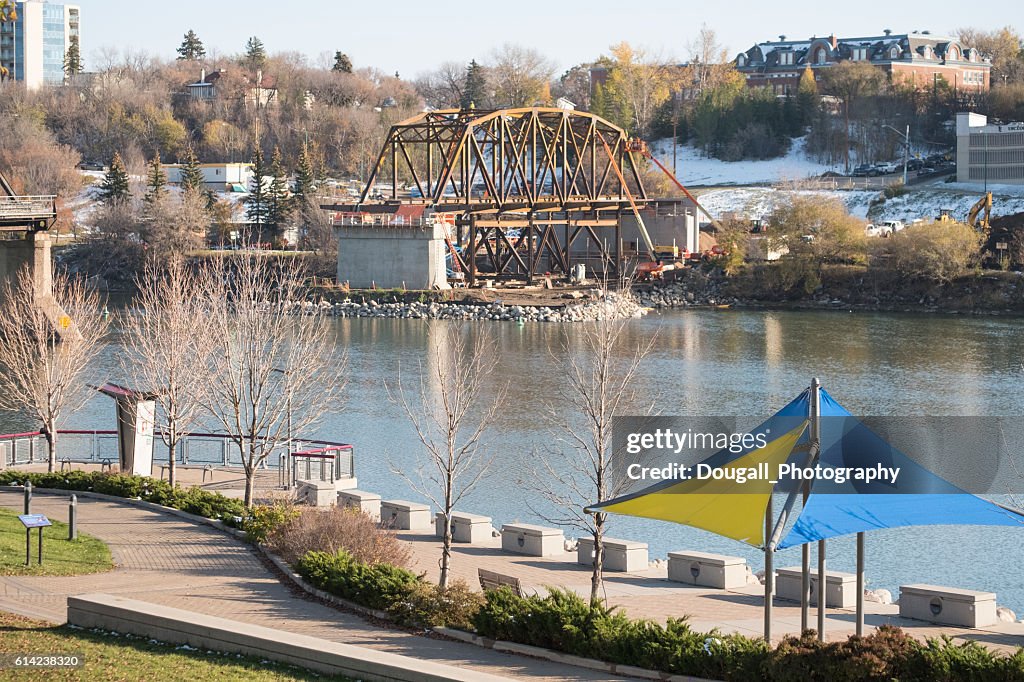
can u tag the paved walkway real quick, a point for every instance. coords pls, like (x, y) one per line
(649, 594)
(167, 560)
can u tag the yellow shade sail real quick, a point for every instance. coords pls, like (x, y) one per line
(733, 510)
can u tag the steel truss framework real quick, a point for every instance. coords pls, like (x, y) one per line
(524, 185)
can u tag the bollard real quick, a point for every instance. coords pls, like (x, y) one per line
(73, 518)
(28, 497)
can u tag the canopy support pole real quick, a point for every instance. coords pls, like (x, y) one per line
(805, 555)
(769, 575)
(821, 590)
(860, 584)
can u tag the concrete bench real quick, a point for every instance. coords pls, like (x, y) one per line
(368, 503)
(317, 493)
(176, 626)
(405, 515)
(619, 555)
(465, 527)
(524, 538)
(840, 588)
(948, 605)
(707, 570)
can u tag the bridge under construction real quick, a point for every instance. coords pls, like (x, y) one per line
(517, 193)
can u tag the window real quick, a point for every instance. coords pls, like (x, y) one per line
(953, 54)
(820, 55)
(860, 54)
(786, 58)
(741, 60)
(894, 52)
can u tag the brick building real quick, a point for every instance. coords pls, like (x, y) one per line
(919, 58)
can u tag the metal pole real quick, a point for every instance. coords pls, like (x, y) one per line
(28, 497)
(860, 584)
(805, 550)
(73, 518)
(821, 590)
(906, 155)
(28, 546)
(769, 577)
(40, 545)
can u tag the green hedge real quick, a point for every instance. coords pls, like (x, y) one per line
(192, 500)
(376, 586)
(564, 621)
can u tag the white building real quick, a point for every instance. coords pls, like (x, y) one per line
(220, 176)
(33, 47)
(989, 153)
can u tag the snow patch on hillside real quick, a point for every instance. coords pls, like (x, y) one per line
(694, 168)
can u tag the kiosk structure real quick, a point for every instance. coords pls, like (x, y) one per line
(136, 413)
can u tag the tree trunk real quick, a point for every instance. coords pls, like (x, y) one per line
(172, 477)
(597, 576)
(446, 550)
(51, 449)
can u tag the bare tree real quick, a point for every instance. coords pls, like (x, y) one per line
(521, 76)
(272, 360)
(47, 340)
(166, 337)
(449, 421)
(600, 366)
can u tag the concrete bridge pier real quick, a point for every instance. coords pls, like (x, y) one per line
(34, 252)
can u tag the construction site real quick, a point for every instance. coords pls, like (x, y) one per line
(514, 198)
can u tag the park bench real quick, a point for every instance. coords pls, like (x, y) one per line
(490, 580)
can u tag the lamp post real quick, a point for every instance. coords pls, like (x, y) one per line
(906, 148)
(288, 463)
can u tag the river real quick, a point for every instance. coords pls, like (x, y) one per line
(703, 362)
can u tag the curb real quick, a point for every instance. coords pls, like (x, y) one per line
(459, 635)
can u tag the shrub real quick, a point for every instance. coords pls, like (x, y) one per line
(937, 251)
(192, 500)
(264, 519)
(376, 586)
(338, 529)
(427, 605)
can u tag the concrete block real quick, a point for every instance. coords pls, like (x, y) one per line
(948, 605)
(368, 503)
(619, 555)
(391, 256)
(317, 493)
(840, 588)
(707, 570)
(525, 538)
(465, 527)
(405, 515)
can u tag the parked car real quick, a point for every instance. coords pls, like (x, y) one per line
(864, 170)
(877, 230)
(893, 225)
(92, 166)
(887, 168)
(915, 164)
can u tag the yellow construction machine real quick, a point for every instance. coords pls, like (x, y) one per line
(980, 214)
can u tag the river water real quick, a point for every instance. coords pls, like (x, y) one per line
(702, 363)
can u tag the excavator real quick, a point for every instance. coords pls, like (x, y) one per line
(982, 208)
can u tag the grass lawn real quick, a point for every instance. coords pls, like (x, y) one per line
(122, 657)
(60, 556)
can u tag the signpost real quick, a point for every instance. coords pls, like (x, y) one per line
(31, 521)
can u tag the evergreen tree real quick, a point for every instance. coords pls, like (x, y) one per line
(191, 49)
(475, 89)
(156, 181)
(278, 200)
(115, 188)
(191, 174)
(256, 203)
(305, 176)
(342, 64)
(73, 58)
(255, 53)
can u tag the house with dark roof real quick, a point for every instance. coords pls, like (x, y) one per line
(258, 89)
(919, 58)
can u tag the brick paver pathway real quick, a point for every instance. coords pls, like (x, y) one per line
(167, 560)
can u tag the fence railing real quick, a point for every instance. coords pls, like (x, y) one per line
(28, 207)
(309, 459)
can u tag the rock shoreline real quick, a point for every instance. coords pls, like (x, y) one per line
(610, 305)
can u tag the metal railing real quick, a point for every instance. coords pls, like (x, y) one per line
(28, 207)
(313, 459)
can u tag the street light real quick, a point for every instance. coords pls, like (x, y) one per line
(906, 148)
(288, 463)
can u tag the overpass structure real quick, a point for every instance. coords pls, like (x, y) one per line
(518, 192)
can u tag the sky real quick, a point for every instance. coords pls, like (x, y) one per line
(414, 37)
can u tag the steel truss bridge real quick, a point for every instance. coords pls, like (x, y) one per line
(527, 190)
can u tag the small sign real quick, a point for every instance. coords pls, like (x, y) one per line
(34, 520)
(1001, 246)
(65, 321)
